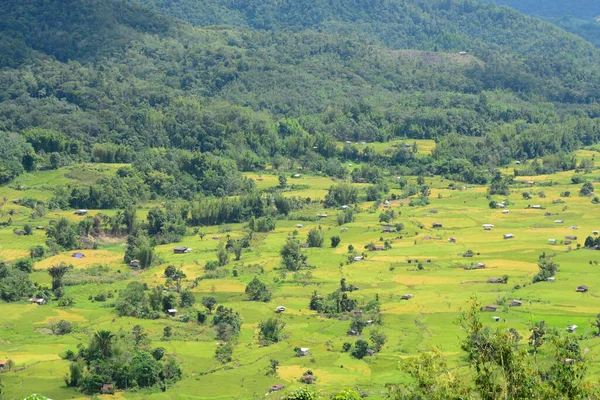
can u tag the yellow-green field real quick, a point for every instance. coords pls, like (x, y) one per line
(441, 289)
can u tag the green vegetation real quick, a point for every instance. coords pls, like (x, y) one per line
(305, 194)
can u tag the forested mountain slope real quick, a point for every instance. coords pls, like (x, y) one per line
(584, 9)
(107, 80)
(578, 17)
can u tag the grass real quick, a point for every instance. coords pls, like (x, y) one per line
(441, 289)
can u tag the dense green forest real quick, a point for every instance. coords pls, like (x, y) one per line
(189, 106)
(578, 17)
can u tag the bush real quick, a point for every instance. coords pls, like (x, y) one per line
(335, 241)
(316, 237)
(257, 291)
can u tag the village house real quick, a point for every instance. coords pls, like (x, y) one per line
(299, 226)
(39, 228)
(571, 237)
(581, 289)
(537, 207)
(37, 301)
(406, 297)
(495, 280)
(280, 309)
(509, 236)
(181, 250)
(216, 237)
(135, 263)
(322, 215)
(81, 212)
(388, 230)
(479, 265)
(436, 225)
(296, 176)
(547, 214)
(379, 248)
(78, 255)
(358, 258)
(567, 242)
(490, 308)
(303, 352)
(552, 241)
(172, 312)
(505, 211)
(559, 221)
(572, 328)
(452, 240)
(488, 227)
(427, 237)
(107, 388)
(595, 233)
(516, 303)
(276, 388)
(304, 245)
(551, 279)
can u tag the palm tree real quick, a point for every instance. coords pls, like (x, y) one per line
(103, 340)
(57, 272)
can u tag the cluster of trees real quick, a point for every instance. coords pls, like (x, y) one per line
(548, 268)
(126, 361)
(137, 300)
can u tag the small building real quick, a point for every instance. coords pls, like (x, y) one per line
(500, 205)
(495, 280)
(496, 318)
(436, 225)
(276, 388)
(280, 309)
(568, 242)
(516, 303)
(172, 312)
(107, 388)
(370, 352)
(296, 176)
(574, 227)
(78, 255)
(81, 212)
(39, 228)
(509, 236)
(303, 351)
(358, 258)
(344, 229)
(37, 301)
(572, 328)
(388, 230)
(305, 245)
(505, 211)
(462, 53)
(595, 233)
(216, 237)
(181, 250)
(490, 308)
(322, 215)
(571, 237)
(308, 379)
(299, 226)
(344, 207)
(452, 240)
(552, 241)
(559, 221)
(547, 214)
(406, 297)
(551, 279)
(352, 332)
(479, 265)
(581, 289)
(427, 237)
(488, 227)
(537, 207)
(135, 263)
(19, 232)
(379, 248)
(2, 365)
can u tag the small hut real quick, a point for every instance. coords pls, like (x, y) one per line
(581, 289)
(490, 308)
(276, 388)
(181, 250)
(516, 303)
(280, 309)
(134, 264)
(436, 225)
(509, 236)
(572, 328)
(406, 297)
(452, 240)
(81, 212)
(172, 312)
(496, 280)
(303, 351)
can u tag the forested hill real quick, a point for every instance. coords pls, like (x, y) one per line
(576, 16)
(109, 81)
(584, 9)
